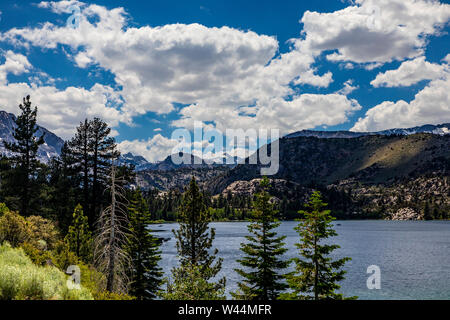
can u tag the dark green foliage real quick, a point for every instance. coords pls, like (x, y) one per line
(65, 181)
(91, 152)
(79, 238)
(189, 283)
(102, 149)
(78, 148)
(427, 215)
(195, 238)
(25, 149)
(144, 251)
(316, 275)
(264, 281)
(9, 189)
(163, 206)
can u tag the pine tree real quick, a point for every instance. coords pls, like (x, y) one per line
(143, 249)
(316, 275)
(65, 182)
(103, 149)
(80, 153)
(263, 250)
(427, 215)
(437, 215)
(92, 151)
(79, 238)
(195, 238)
(25, 149)
(189, 284)
(9, 190)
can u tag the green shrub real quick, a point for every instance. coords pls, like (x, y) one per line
(95, 281)
(106, 295)
(37, 256)
(62, 257)
(14, 228)
(3, 209)
(20, 279)
(43, 233)
(37, 231)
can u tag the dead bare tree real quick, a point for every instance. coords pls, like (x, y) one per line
(111, 237)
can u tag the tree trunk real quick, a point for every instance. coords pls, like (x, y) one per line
(110, 281)
(95, 178)
(86, 177)
(316, 268)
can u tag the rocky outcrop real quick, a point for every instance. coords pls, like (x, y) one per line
(404, 214)
(386, 199)
(249, 188)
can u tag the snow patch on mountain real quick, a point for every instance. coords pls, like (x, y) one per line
(52, 143)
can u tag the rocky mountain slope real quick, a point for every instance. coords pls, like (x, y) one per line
(169, 165)
(139, 162)
(403, 199)
(375, 176)
(369, 159)
(176, 178)
(51, 147)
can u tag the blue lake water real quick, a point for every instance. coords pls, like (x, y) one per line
(413, 256)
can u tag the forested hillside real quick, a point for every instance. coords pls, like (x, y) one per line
(364, 177)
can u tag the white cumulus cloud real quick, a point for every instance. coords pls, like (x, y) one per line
(230, 78)
(375, 30)
(409, 73)
(430, 106)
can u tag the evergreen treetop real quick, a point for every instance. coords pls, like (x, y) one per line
(25, 149)
(263, 252)
(79, 238)
(316, 274)
(195, 238)
(143, 249)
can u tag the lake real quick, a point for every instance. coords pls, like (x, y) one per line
(413, 256)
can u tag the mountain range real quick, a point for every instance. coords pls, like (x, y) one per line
(368, 159)
(387, 160)
(441, 129)
(362, 174)
(167, 164)
(52, 143)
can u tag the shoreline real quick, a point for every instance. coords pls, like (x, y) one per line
(359, 220)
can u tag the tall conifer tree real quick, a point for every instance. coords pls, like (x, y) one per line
(79, 238)
(316, 275)
(264, 280)
(25, 149)
(144, 251)
(80, 153)
(195, 238)
(65, 181)
(93, 150)
(103, 149)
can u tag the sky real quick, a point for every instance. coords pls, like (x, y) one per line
(149, 68)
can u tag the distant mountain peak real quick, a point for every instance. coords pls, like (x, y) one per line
(52, 143)
(440, 129)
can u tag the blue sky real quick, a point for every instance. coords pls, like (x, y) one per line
(149, 67)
